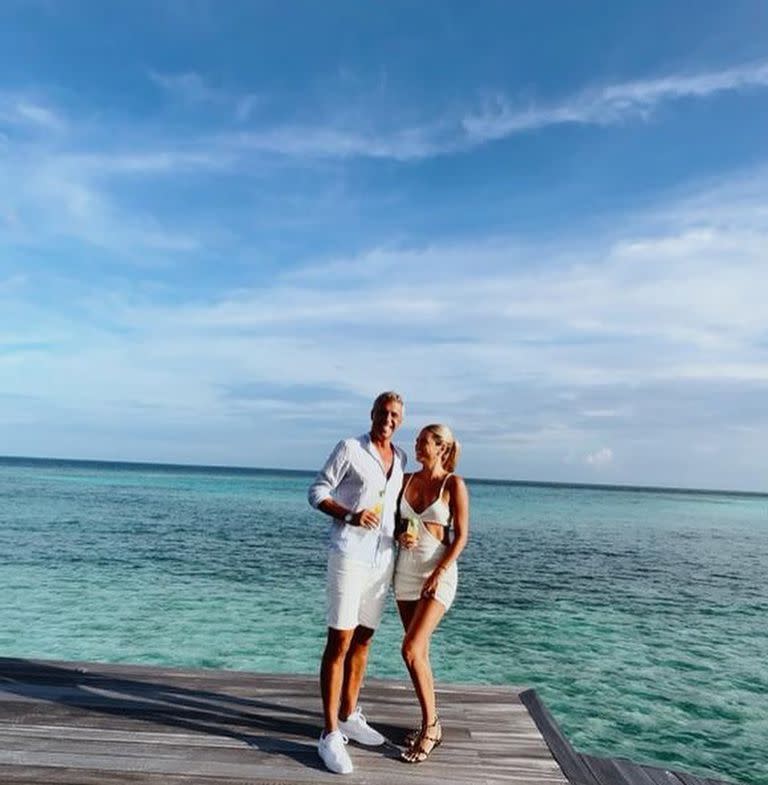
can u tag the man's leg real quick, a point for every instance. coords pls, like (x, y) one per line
(332, 674)
(371, 609)
(354, 669)
(373, 599)
(345, 582)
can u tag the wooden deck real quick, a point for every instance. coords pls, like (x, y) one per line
(95, 724)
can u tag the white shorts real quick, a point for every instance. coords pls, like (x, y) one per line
(356, 593)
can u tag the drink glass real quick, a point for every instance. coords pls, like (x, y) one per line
(378, 508)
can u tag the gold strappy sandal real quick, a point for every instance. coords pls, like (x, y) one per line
(424, 743)
(410, 737)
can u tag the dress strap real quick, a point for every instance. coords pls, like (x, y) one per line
(442, 487)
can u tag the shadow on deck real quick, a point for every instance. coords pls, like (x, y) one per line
(98, 724)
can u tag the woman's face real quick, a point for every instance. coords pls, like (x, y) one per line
(428, 451)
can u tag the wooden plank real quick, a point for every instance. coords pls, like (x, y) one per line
(591, 770)
(45, 775)
(609, 772)
(661, 776)
(570, 761)
(692, 779)
(635, 774)
(93, 724)
(75, 722)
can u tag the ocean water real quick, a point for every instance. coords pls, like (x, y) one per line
(641, 617)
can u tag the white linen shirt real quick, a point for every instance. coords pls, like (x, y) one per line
(354, 476)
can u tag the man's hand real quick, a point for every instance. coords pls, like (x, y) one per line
(367, 519)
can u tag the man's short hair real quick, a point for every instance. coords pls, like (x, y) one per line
(386, 397)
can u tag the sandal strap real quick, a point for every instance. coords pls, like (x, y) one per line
(424, 736)
(420, 753)
(421, 738)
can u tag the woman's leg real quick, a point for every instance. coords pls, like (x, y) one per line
(406, 608)
(426, 617)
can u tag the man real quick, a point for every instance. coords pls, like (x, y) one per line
(358, 487)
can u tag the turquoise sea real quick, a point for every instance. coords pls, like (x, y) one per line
(640, 616)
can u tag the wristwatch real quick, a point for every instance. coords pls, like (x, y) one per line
(349, 517)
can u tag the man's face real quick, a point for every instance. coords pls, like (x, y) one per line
(386, 419)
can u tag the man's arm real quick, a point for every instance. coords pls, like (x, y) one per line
(328, 479)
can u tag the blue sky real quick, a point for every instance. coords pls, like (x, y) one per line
(224, 227)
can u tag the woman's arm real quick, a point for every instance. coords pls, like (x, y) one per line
(459, 505)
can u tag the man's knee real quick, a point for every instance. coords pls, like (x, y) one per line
(338, 643)
(362, 637)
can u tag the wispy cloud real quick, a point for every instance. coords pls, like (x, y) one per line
(502, 117)
(358, 136)
(18, 110)
(51, 200)
(329, 142)
(153, 162)
(611, 104)
(192, 88)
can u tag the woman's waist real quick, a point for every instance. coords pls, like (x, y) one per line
(415, 561)
(426, 549)
(436, 531)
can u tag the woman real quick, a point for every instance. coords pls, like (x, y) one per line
(435, 507)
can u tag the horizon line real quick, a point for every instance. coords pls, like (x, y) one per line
(478, 480)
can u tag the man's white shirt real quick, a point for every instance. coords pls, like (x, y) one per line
(355, 477)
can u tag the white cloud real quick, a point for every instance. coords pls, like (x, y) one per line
(341, 134)
(596, 105)
(515, 357)
(192, 88)
(610, 104)
(141, 163)
(600, 458)
(593, 316)
(348, 135)
(329, 142)
(20, 110)
(49, 197)
(672, 299)
(188, 86)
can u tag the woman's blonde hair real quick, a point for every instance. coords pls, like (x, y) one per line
(443, 435)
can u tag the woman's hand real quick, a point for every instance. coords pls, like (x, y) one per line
(407, 541)
(430, 585)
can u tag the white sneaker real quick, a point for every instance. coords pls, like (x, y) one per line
(356, 727)
(333, 752)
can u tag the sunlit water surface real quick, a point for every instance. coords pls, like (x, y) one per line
(640, 617)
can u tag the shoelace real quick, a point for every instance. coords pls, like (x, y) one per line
(343, 737)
